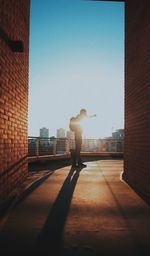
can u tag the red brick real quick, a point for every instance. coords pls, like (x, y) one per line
(137, 96)
(14, 96)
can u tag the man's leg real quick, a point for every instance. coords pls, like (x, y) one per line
(73, 157)
(78, 153)
(78, 150)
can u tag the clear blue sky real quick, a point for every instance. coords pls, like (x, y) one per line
(76, 61)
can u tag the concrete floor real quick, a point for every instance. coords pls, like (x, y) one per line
(80, 212)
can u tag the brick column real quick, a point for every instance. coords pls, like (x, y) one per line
(137, 96)
(14, 63)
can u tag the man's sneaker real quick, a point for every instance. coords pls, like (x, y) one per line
(82, 165)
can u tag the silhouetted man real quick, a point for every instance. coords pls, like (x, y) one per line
(76, 128)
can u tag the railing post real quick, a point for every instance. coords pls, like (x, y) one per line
(37, 146)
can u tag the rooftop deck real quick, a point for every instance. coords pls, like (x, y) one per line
(88, 211)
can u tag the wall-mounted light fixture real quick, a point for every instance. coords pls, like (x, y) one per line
(14, 45)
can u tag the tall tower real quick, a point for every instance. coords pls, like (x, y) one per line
(44, 132)
(60, 133)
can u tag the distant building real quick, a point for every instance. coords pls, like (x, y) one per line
(44, 132)
(44, 141)
(32, 146)
(53, 142)
(111, 145)
(89, 145)
(62, 146)
(60, 133)
(102, 145)
(114, 143)
(118, 134)
(70, 135)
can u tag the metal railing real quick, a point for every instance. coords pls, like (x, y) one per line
(38, 146)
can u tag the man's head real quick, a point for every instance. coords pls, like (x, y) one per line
(83, 112)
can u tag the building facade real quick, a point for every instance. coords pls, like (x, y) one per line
(14, 64)
(70, 135)
(44, 132)
(62, 146)
(60, 133)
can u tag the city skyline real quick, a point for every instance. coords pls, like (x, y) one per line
(44, 132)
(76, 61)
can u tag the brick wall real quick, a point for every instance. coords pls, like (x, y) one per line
(14, 26)
(137, 96)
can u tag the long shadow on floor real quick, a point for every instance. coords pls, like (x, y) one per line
(50, 237)
(47, 165)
